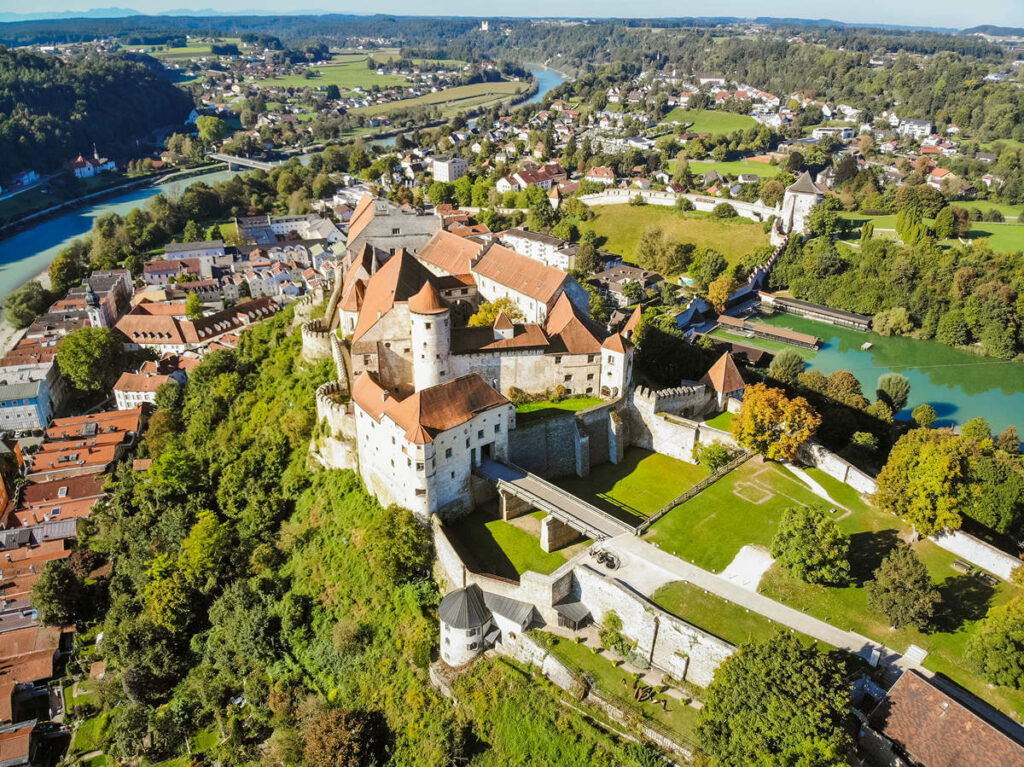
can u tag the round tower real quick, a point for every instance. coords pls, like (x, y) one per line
(431, 338)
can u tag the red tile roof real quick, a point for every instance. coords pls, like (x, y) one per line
(431, 411)
(397, 281)
(427, 301)
(449, 252)
(935, 730)
(520, 273)
(724, 376)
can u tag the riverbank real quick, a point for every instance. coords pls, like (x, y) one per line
(9, 335)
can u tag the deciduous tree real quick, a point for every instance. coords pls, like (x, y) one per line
(902, 590)
(787, 366)
(91, 358)
(489, 310)
(997, 645)
(772, 424)
(893, 389)
(810, 545)
(769, 699)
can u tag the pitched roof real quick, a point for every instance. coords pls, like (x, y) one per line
(427, 301)
(464, 608)
(502, 322)
(428, 412)
(616, 342)
(576, 332)
(935, 730)
(804, 185)
(632, 323)
(724, 376)
(362, 216)
(467, 340)
(397, 281)
(520, 273)
(450, 252)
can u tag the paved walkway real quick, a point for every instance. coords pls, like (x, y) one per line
(644, 564)
(748, 567)
(813, 484)
(561, 504)
(638, 555)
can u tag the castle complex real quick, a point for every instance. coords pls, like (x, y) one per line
(428, 393)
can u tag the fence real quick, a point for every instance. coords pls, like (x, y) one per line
(690, 493)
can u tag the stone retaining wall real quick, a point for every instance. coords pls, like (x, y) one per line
(814, 454)
(752, 210)
(976, 551)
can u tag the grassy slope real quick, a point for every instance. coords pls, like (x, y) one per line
(609, 680)
(532, 411)
(451, 99)
(708, 121)
(622, 225)
(640, 485)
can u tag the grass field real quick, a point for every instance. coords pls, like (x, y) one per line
(505, 549)
(348, 74)
(535, 411)
(638, 486)
(452, 99)
(616, 683)
(742, 507)
(715, 615)
(622, 225)
(196, 49)
(1008, 237)
(735, 168)
(707, 121)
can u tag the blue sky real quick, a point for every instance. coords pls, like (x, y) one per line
(944, 13)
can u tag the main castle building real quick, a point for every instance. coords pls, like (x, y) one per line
(429, 394)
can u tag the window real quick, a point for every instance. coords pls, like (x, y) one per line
(567, 378)
(467, 444)
(55, 512)
(558, 360)
(590, 376)
(396, 230)
(611, 360)
(497, 428)
(420, 492)
(590, 358)
(447, 641)
(448, 453)
(427, 326)
(419, 465)
(472, 632)
(472, 645)
(480, 434)
(366, 360)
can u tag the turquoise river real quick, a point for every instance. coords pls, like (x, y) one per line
(958, 384)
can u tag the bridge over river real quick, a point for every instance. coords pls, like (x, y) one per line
(237, 163)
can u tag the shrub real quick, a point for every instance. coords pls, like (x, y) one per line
(724, 210)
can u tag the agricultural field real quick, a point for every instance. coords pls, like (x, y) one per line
(708, 121)
(622, 225)
(452, 100)
(351, 72)
(195, 49)
(736, 167)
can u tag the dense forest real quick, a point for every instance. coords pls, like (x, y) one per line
(52, 110)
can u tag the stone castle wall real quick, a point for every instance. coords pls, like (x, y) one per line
(316, 340)
(569, 444)
(680, 649)
(752, 210)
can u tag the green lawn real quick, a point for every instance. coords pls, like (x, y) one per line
(351, 73)
(620, 226)
(1008, 211)
(535, 411)
(90, 734)
(721, 421)
(742, 507)
(451, 100)
(965, 600)
(735, 168)
(638, 486)
(501, 548)
(715, 615)
(1007, 237)
(609, 680)
(708, 121)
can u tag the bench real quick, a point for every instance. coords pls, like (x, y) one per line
(961, 567)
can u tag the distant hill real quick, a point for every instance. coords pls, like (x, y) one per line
(991, 29)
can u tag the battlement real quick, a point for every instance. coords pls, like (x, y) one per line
(673, 400)
(332, 405)
(316, 340)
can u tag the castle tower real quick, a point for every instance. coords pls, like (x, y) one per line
(616, 365)
(431, 338)
(800, 198)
